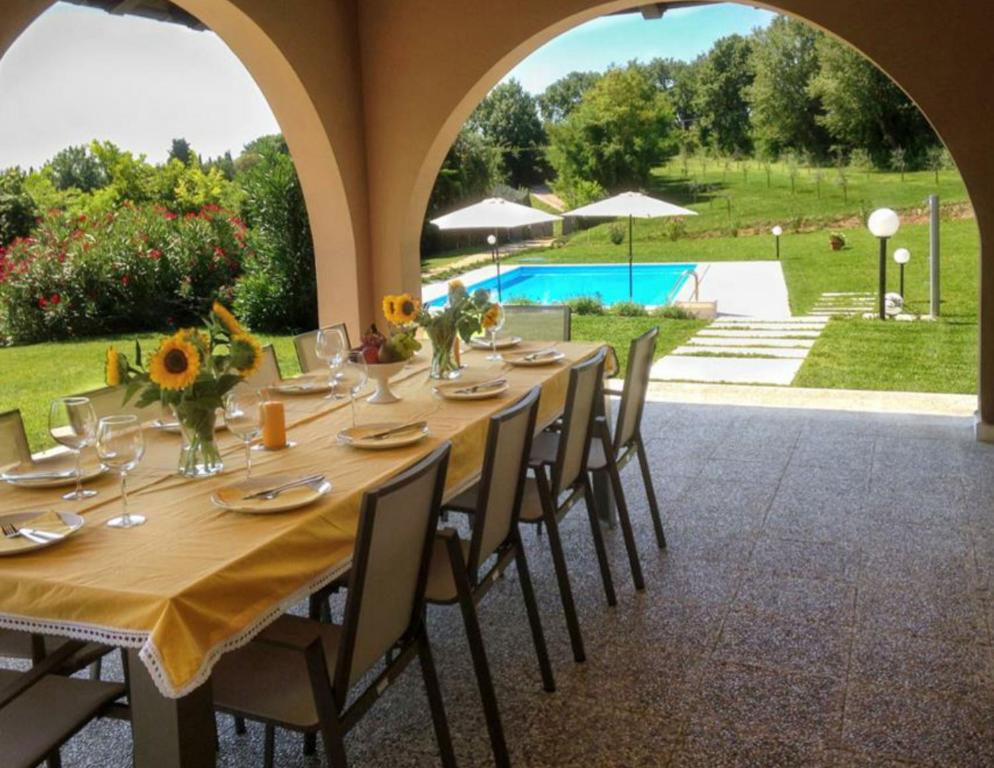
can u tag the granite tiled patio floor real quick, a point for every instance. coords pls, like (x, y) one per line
(825, 600)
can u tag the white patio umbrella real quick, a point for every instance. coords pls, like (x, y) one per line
(492, 214)
(634, 205)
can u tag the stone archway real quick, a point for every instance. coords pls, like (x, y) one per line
(430, 66)
(306, 82)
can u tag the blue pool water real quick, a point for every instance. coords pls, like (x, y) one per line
(654, 284)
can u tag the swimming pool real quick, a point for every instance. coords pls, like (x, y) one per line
(654, 284)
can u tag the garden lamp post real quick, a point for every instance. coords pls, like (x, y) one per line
(492, 242)
(902, 256)
(777, 231)
(883, 225)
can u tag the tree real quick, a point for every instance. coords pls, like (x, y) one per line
(470, 171)
(562, 96)
(620, 131)
(784, 112)
(278, 291)
(17, 209)
(181, 150)
(723, 77)
(76, 168)
(863, 108)
(508, 117)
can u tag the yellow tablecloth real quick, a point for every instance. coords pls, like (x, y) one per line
(195, 581)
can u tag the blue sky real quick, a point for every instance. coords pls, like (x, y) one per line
(682, 33)
(77, 74)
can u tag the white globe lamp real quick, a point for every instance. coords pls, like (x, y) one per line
(902, 256)
(776, 232)
(883, 224)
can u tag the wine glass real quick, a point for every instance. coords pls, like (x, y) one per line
(73, 423)
(352, 376)
(331, 347)
(120, 447)
(243, 415)
(495, 323)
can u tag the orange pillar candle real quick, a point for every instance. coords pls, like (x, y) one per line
(457, 352)
(273, 425)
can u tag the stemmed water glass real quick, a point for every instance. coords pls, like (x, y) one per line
(352, 376)
(73, 423)
(243, 416)
(120, 448)
(496, 322)
(331, 347)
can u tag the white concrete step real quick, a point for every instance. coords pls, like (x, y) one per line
(747, 334)
(719, 326)
(802, 319)
(849, 293)
(750, 342)
(780, 352)
(730, 370)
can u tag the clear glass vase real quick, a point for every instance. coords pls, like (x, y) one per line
(199, 456)
(443, 362)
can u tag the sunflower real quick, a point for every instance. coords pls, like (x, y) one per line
(405, 309)
(196, 337)
(113, 368)
(227, 319)
(246, 354)
(390, 308)
(175, 364)
(491, 317)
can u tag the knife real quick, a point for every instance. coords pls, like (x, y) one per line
(541, 353)
(284, 487)
(14, 477)
(482, 385)
(396, 430)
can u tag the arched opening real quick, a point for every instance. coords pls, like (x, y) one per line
(310, 131)
(961, 331)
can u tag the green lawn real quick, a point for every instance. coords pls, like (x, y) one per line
(619, 331)
(853, 354)
(33, 375)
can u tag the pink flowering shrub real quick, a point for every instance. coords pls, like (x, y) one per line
(137, 268)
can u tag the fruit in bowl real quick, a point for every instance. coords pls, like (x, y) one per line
(378, 349)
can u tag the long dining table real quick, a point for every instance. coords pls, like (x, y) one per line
(196, 580)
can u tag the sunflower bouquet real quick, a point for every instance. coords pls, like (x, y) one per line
(190, 373)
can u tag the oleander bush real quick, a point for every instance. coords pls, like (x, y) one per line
(136, 268)
(629, 309)
(586, 305)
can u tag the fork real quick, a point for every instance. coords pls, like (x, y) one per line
(11, 531)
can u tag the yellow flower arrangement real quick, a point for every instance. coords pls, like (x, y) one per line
(227, 319)
(113, 368)
(491, 317)
(175, 364)
(246, 354)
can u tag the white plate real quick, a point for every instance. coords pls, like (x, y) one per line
(70, 522)
(520, 359)
(451, 391)
(34, 475)
(230, 497)
(354, 436)
(503, 342)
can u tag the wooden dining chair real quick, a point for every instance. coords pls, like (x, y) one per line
(560, 480)
(14, 448)
(538, 322)
(268, 372)
(304, 345)
(297, 673)
(457, 574)
(41, 709)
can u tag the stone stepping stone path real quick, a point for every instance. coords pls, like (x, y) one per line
(844, 304)
(743, 351)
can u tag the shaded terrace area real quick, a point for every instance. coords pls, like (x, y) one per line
(824, 601)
